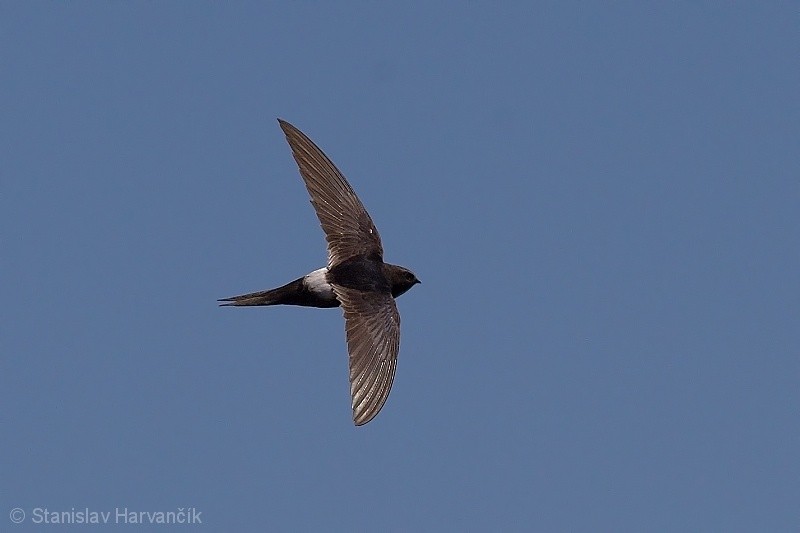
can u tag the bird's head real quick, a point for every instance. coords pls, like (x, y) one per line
(401, 279)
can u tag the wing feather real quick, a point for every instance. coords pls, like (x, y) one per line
(372, 325)
(348, 228)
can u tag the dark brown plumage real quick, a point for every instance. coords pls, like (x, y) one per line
(355, 278)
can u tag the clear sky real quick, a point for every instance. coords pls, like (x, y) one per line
(601, 201)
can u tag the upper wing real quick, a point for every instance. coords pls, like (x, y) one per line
(372, 324)
(348, 228)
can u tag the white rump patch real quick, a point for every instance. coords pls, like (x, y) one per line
(316, 283)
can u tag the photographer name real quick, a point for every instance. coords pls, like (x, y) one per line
(120, 515)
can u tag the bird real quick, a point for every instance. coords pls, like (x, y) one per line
(355, 278)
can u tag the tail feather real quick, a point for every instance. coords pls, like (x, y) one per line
(254, 298)
(293, 293)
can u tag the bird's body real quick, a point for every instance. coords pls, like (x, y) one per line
(315, 290)
(356, 278)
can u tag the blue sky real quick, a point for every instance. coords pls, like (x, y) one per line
(600, 200)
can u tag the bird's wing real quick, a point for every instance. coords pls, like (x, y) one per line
(348, 228)
(372, 324)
